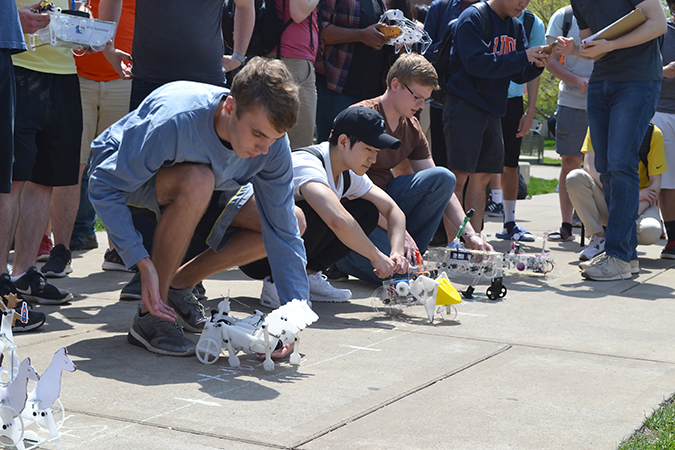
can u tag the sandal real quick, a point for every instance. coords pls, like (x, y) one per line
(560, 235)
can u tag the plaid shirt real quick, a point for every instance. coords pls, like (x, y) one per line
(334, 60)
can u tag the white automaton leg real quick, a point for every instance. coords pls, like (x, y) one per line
(295, 356)
(268, 364)
(233, 359)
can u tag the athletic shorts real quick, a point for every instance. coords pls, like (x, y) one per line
(571, 127)
(473, 137)
(214, 227)
(48, 130)
(510, 124)
(7, 110)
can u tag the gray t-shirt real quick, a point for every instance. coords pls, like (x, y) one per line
(667, 98)
(639, 63)
(568, 94)
(178, 40)
(11, 36)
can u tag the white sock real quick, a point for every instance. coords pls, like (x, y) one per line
(497, 195)
(509, 211)
(14, 278)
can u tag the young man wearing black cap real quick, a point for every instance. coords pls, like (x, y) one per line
(341, 205)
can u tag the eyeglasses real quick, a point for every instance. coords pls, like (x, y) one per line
(417, 98)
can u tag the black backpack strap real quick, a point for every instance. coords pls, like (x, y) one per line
(528, 23)
(286, 24)
(482, 7)
(346, 178)
(646, 146)
(567, 20)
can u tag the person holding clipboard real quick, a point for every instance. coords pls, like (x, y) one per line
(621, 100)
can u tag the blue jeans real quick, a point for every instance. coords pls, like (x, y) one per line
(86, 216)
(618, 117)
(422, 196)
(329, 104)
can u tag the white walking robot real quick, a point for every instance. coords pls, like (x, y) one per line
(257, 333)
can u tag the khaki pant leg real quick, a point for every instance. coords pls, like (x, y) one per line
(649, 226)
(588, 200)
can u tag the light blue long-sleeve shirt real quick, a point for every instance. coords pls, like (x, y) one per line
(175, 124)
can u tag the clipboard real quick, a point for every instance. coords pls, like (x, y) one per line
(621, 27)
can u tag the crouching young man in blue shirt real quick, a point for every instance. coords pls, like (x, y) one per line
(167, 157)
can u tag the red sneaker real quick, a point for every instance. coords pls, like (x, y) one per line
(45, 248)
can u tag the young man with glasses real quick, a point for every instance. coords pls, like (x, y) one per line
(423, 191)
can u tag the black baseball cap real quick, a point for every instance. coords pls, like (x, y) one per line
(367, 125)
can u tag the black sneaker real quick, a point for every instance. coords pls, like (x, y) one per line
(335, 274)
(200, 291)
(33, 319)
(159, 336)
(132, 291)
(189, 310)
(34, 287)
(113, 261)
(83, 243)
(30, 319)
(58, 264)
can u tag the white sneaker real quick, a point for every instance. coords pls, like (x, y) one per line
(269, 297)
(320, 290)
(594, 248)
(608, 268)
(634, 266)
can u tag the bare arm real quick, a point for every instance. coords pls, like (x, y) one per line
(244, 21)
(589, 166)
(559, 70)
(326, 204)
(150, 291)
(654, 27)
(396, 225)
(333, 34)
(527, 119)
(650, 194)
(111, 10)
(300, 9)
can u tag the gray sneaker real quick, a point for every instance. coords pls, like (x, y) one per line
(132, 291)
(608, 268)
(189, 310)
(159, 336)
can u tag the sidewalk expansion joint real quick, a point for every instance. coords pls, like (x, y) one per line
(399, 397)
(173, 428)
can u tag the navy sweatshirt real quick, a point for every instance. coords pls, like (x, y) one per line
(480, 72)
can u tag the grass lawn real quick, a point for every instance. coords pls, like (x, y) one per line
(539, 186)
(658, 431)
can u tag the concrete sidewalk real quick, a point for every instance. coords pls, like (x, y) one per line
(560, 363)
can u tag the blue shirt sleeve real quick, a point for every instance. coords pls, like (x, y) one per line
(273, 188)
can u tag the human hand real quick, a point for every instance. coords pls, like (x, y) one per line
(383, 266)
(230, 63)
(669, 70)
(119, 60)
(474, 242)
(649, 195)
(31, 21)
(524, 125)
(409, 247)
(401, 262)
(582, 84)
(537, 55)
(596, 48)
(372, 37)
(565, 46)
(150, 291)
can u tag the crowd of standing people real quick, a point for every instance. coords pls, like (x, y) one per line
(310, 164)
